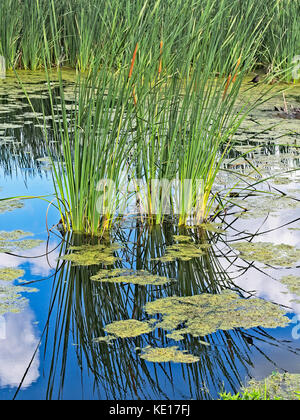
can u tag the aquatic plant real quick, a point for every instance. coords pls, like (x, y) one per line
(10, 205)
(268, 253)
(11, 299)
(292, 283)
(91, 254)
(157, 118)
(277, 386)
(81, 309)
(9, 274)
(204, 314)
(12, 241)
(140, 277)
(167, 354)
(90, 31)
(127, 328)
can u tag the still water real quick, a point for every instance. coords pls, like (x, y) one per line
(54, 328)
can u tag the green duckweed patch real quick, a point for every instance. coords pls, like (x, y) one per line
(167, 354)
(262, 206)
(10, 274)
(140, 277)
(268, 253)
(15, 246)
(213, 227)
(10, 205)
(185, 250)
(11, 300)
(105, 339)
(127, 328)
(204, 314)
(85, 255)
(283, 386)
(292, 283)
(182, 238)
(13, 235)
(10, 241)
(181, 251)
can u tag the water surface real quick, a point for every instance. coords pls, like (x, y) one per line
(49, 349)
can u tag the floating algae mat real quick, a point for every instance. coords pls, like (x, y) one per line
(281, 386)
(10, 241)
(262, 206)
(268, 253)
(11, 299)
(123, 275)
(185, 250)
(85, 255)
(206, 313)
(212, 227)
(10, 274)
(127, 328)
(10, 205)
(167, 354)
(292, 283)
(13, 235)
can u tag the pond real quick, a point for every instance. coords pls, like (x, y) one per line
(148, 313)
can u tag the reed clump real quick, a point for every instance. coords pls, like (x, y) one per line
(88, 31)
(154, 110)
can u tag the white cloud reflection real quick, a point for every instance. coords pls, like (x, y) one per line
(39, 266)
(18, 342)
(266, 281)
(18, 335)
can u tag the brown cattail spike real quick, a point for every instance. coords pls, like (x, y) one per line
(227, 85)
(160, 57)
(235, 70)
(132, 61)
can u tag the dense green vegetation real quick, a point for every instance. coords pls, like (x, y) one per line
(277, 386)
(88, 31)
(155, 97)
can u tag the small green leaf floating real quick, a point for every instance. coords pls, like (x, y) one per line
(206, 313)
